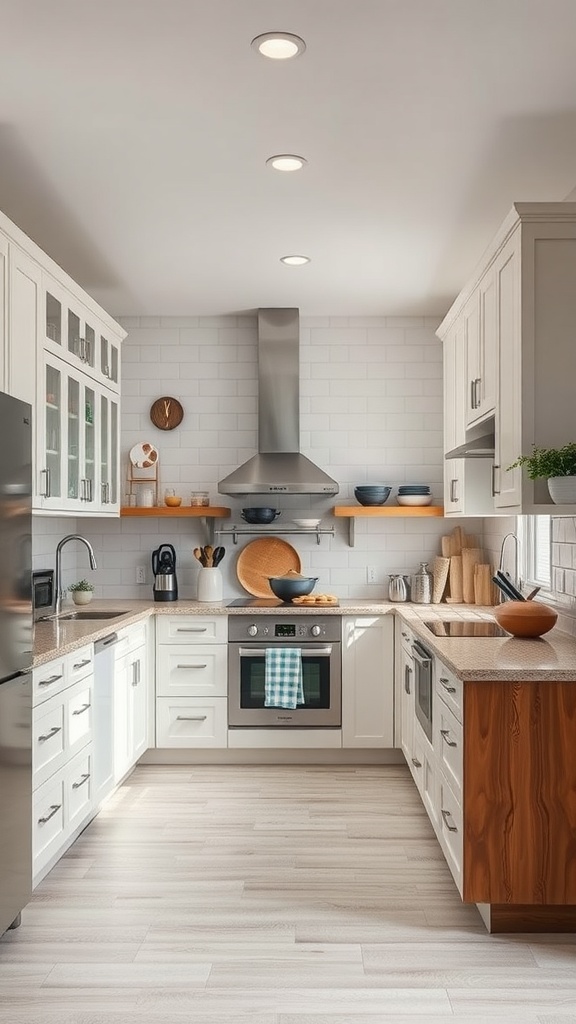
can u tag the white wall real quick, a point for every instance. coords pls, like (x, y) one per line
(371, 410)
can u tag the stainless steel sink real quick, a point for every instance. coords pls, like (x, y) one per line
(89, 615)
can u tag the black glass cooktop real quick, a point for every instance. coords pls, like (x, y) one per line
(462, 628)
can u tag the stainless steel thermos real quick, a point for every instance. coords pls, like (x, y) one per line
(422, 585)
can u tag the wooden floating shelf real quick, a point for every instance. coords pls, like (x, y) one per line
(393, 510)
(354, 512)
(182, 511)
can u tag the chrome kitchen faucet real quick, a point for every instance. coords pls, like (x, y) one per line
(58, 570)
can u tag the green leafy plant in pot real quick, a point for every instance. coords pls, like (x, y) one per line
(82, 592)
(557, 466)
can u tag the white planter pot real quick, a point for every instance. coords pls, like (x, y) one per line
(81, 596)
(562, 489)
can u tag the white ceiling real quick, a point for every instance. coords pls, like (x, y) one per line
(134, 135)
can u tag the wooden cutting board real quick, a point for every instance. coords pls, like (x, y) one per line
(440, 569)
(483, 584)
(470, 558)
(455, 580)
(267, 556)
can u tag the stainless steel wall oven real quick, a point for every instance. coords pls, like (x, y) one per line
(318, 637)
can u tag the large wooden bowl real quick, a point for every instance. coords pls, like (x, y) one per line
(525, 618)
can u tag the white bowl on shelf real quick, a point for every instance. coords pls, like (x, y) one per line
(306, 524)
(414, 499)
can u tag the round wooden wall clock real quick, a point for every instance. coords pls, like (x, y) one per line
(166, 413)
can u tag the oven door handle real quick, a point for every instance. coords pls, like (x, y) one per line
(317, 652)
(422, 657)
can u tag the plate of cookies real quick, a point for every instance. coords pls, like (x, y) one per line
(316, 600)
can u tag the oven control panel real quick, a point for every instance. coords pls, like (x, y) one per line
(288, 630)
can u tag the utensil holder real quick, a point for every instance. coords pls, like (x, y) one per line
(209, 585)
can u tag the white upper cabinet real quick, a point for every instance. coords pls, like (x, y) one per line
(513, 326)
(61, 353)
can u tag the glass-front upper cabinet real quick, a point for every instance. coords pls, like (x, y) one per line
(109, 490)
(77, 335)
(77, 444)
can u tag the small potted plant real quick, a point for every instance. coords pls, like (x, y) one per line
(82, 592)
(557, 466)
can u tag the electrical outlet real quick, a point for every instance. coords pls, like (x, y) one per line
(371, 574)
(140, 574)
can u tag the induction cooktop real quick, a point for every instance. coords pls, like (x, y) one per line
(465, 628)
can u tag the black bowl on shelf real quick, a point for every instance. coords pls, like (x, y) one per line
(374, 495)
(286, 589)
(260, 516)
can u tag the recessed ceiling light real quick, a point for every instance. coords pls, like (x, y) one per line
(278, 45)
(286, 162)
(294, 261)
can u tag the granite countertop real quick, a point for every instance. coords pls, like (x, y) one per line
(553, 657)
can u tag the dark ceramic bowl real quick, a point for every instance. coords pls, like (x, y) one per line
(372, 496)
(286, 589)
(258, 516)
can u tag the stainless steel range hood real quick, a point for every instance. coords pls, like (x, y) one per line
(279, 468)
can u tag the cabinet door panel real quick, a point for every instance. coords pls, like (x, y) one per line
(24, 325)
(368, 682)
(508, 418)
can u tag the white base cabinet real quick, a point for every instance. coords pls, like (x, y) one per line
(368, 681)
(62, 776)
(192, 681)
(130, 699)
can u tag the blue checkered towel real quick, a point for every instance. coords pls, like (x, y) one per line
(283, 681)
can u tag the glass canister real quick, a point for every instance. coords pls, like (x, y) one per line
(422, 585)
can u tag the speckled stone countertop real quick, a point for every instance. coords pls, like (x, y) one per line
(553, 657)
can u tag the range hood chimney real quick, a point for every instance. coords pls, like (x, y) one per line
(279, 468)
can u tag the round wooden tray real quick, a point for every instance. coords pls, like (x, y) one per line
(267, 556)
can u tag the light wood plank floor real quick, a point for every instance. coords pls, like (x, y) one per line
(269, 895)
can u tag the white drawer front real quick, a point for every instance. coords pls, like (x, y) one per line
(78, 789)
(191, 722)
(197, 672)
(191, 629)
(79, 714)
(450, 826)
(47, 821)
(80, 663)
(406, 638)
(49, 740)
(448, 744)
(48, 680)
(449, 688)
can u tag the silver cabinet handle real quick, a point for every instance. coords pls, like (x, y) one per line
(446, 815)
(191, 629)
(107, 498)
(322, 652)
(46, 492)
(48, 735)
(405, 635)
(416, 762)
(445, 734)
(192, 666)
(80, 664)
(478, 382)
(83, 780)
(191, 718)
(472, 395)
(54, 808)
(407, 674)
(494, 489)
(81, 710)
(82, 490)
(103, 493)
(446, 684)
(453, 493)
(50, 680)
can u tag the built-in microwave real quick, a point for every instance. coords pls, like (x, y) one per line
(43, 596)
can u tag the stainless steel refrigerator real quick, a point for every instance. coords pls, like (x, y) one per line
(16, 641)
